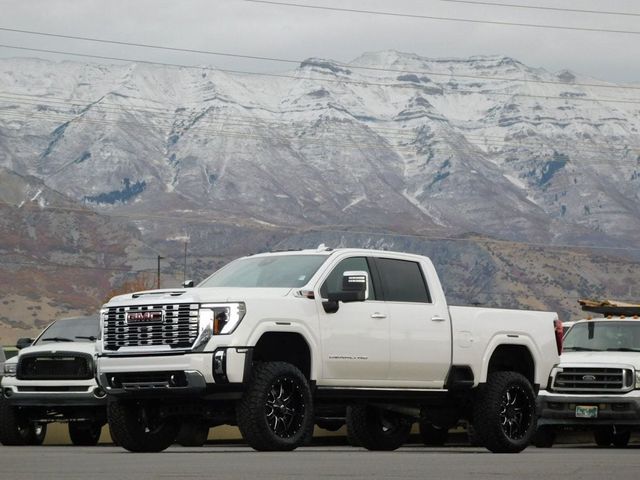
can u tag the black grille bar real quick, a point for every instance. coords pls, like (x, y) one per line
(58, 366)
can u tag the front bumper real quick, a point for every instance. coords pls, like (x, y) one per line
(85, 393)
(217, 374)
(560, 409)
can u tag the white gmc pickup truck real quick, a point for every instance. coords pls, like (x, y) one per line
(276, 342)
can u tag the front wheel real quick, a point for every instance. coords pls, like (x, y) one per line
(544, 437)
(139, 429)
(193, 434)
(433, 435)
(603, 436)
(85, 434)
(504, 412)
(16, 429)
(276, 410)
(377, 429)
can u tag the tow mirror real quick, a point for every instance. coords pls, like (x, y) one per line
(23, 343)
(355, 287)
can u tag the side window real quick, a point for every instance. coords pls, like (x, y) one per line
(402, 281)
(333, 283)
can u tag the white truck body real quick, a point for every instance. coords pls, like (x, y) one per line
(402, 338)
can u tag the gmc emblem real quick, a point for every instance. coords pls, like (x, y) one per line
(150, 316)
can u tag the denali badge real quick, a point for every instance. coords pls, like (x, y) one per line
(142, 318)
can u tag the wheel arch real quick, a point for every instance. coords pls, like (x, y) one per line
(290, 347)
(514, 357)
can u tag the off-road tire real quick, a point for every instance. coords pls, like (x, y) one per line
(504, 414)
(603, 436)
(15, 429)
(433, 435)
(192, 434)
(376, 429)
(85, 434)
(544, 437)
(264, 402)
(621, 438)
(134, 434)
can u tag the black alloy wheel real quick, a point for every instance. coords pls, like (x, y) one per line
(515, 412)
(276, 411)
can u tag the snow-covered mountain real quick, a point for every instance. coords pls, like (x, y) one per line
(391, 141)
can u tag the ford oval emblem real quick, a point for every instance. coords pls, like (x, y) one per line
(588, 378)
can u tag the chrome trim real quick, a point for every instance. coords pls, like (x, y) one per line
(592, 378)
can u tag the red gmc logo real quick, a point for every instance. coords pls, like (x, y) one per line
(150, 316)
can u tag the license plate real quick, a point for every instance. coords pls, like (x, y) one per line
(586, 411)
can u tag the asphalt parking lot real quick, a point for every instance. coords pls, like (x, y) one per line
(336, 462)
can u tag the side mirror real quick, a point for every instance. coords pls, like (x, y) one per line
(355, 288)
(23, 343)
(188, 284)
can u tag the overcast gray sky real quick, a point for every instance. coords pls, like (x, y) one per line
(237, 26)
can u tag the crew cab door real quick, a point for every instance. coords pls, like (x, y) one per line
(419, 325)
(355, 347)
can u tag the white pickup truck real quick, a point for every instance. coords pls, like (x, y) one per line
(276, 342)
(596, 385)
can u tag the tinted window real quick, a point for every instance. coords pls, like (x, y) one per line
(402, 281)
(333, 283)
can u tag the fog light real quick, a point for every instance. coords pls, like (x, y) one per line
(99, 393)
(637, 378)
(8, 392)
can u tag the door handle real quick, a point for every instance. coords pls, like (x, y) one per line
(378, 315)
(438, 319)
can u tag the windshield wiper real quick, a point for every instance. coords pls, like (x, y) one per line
(623, 349)
(580, 349)
(56, 339)
(91, 338)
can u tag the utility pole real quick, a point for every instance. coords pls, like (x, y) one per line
(184, 273)
(159, 258)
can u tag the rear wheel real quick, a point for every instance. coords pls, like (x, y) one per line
(16, 429)
(192, 434)
(377, 429)
(504, 412)
(276, 410)
(433, 435)
(85, 434)
(139, 429)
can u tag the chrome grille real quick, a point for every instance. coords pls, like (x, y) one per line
(178, 327)
(593, 379)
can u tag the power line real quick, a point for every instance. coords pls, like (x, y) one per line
(75, 267)
(292, 230)
(253, 121)
(330, 80)
(448, 19)
(352, 141)
(300, 62)
(538, 7)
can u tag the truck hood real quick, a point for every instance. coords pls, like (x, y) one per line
(81, 347)
(196, 295)
(604, 358)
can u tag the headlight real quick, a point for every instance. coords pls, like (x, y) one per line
(10, 369)
(637, 378)
(221, 319)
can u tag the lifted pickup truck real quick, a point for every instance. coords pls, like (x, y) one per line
(53, 381)
(275, 342)
(596, 385)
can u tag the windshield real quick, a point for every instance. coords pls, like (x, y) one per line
(622, 336)
(277, 271)
(80, 329)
